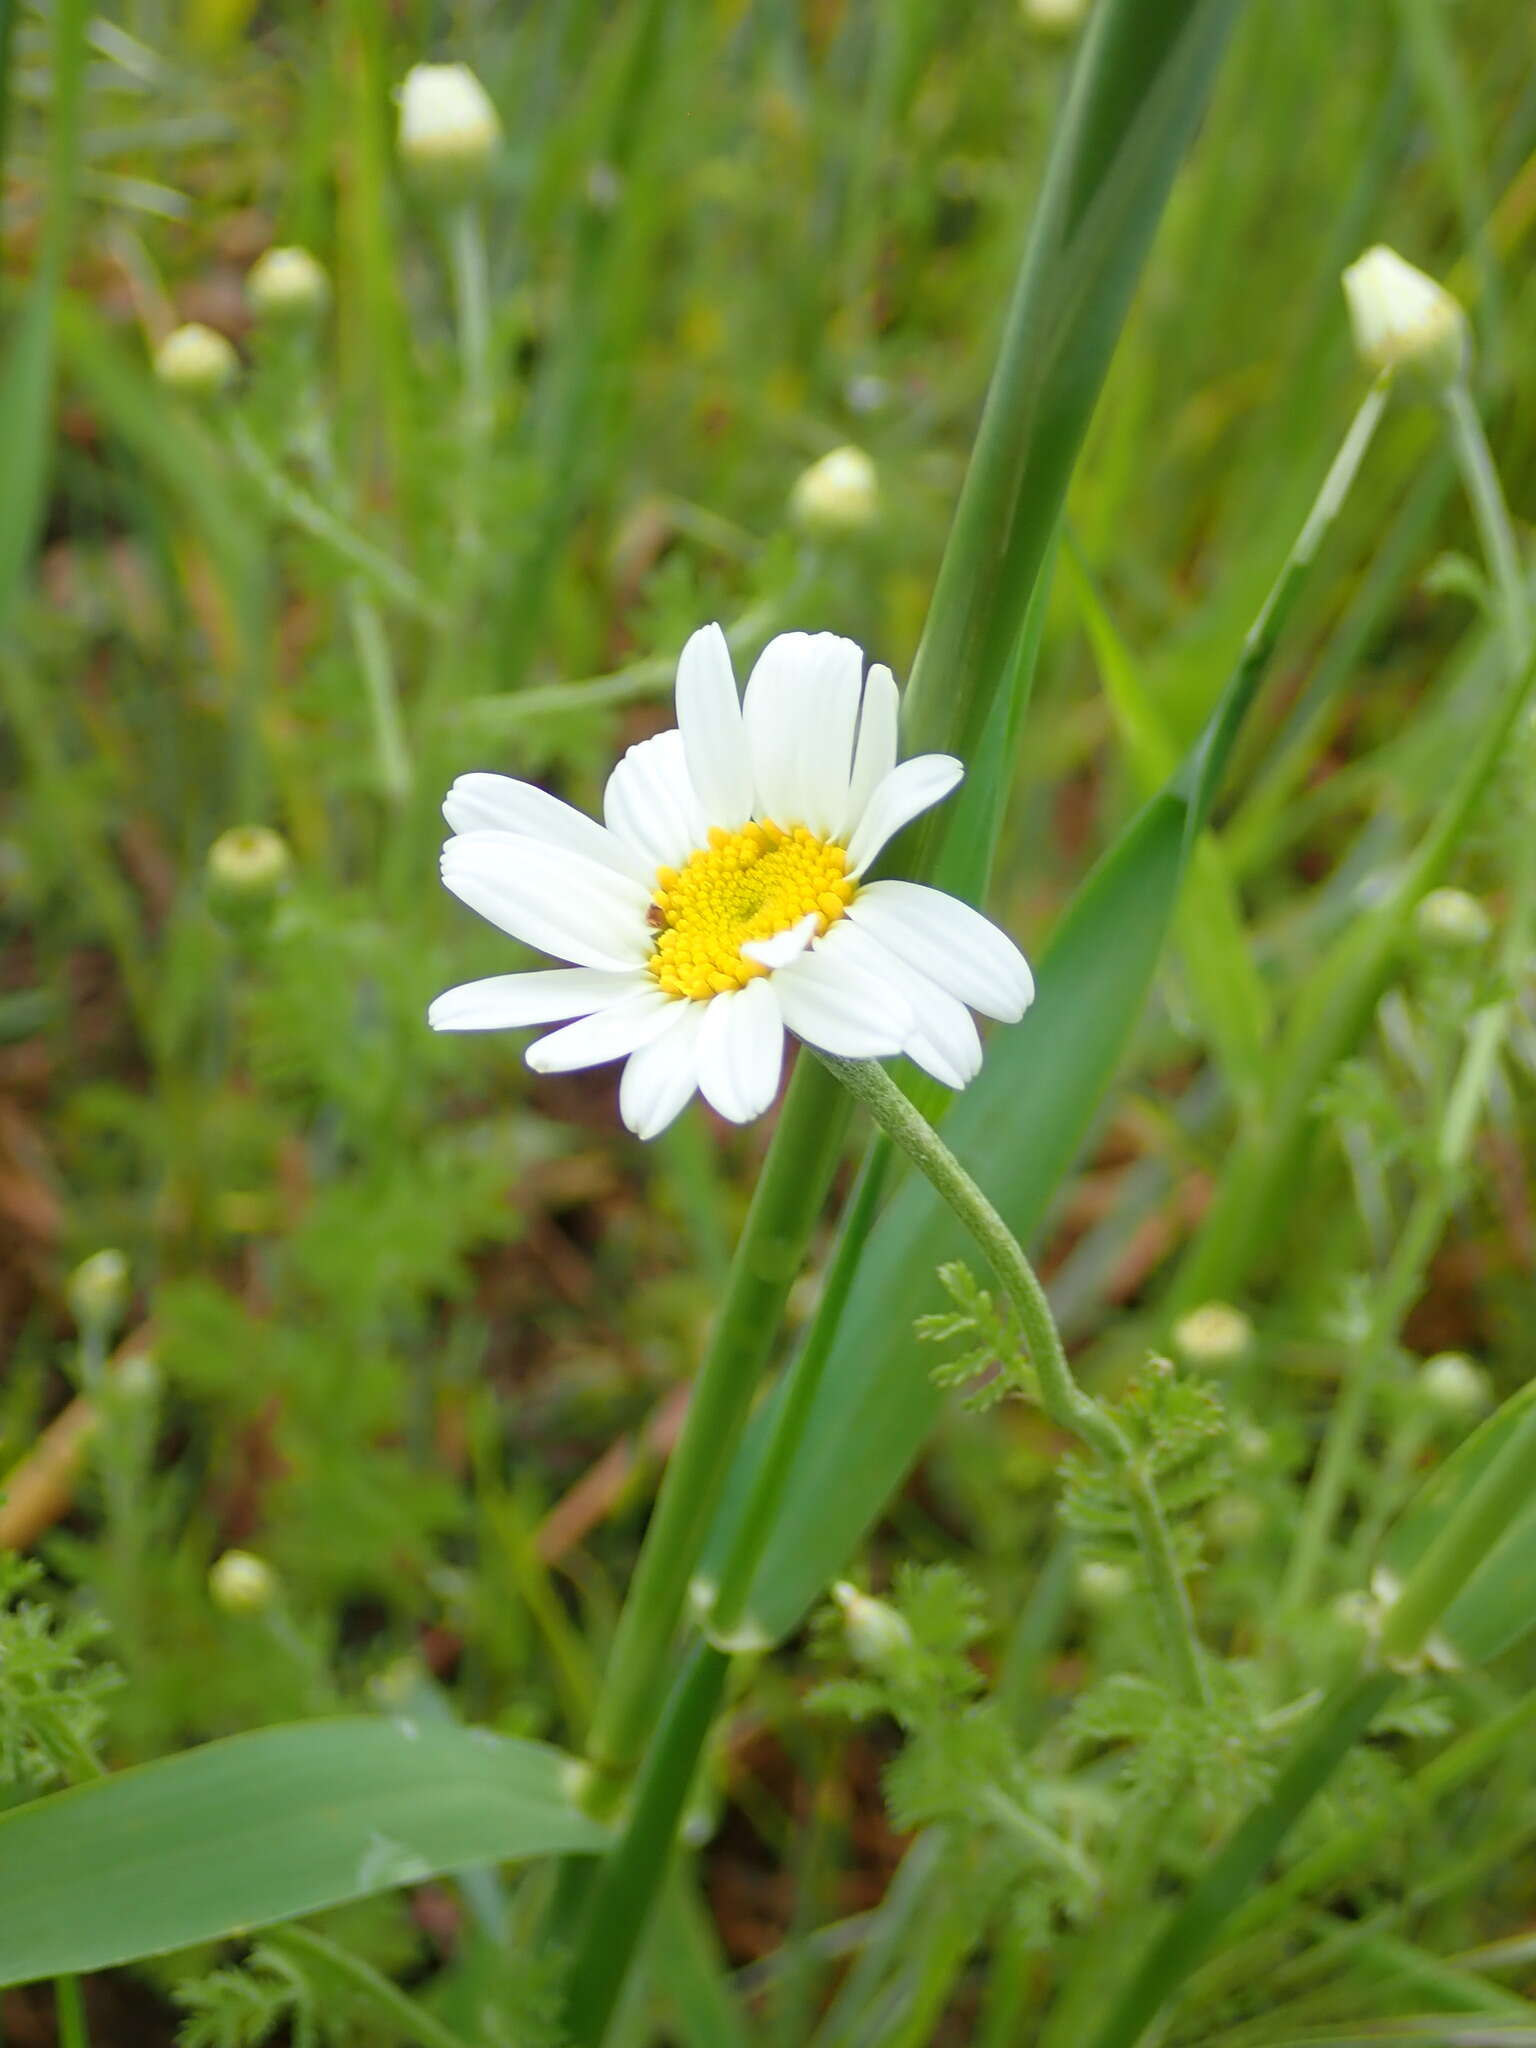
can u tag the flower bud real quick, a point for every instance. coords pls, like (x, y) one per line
(248, 864)
(138, 1380)
(97, 1291)
(1450, 917)
(838, 495)
(449, 131)
(287, 285)
(1103, 1585)
(1403, 320)
(1213, 1336)
(877, 1634)
(196, 362)
(1455, 1386)
(242, 1584)
(1055, 17)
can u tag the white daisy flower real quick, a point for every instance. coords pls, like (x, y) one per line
(722, 901)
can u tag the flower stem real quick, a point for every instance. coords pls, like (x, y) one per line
(1495, 528)
(788, 1200)
(1063, 1400)
(471, 305)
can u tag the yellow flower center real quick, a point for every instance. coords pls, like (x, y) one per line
(750, 884)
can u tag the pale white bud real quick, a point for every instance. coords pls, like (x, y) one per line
(1055, 17)
(1403, 320)
(449, 131)
(288, 284)
(1213, 1336)
(196, 361)
(241, 1583)
(1456, 1386)
(1450, 917)
(97, 1290)
(877, 1634)
(138, 1379)
(1103, 1585)
(248, 863)
(837, 495)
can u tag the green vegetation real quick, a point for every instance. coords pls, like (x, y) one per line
(390, 1651)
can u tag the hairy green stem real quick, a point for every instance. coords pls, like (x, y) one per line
(373, 658)
(1063, 1400)
(789, 1198)
(471, 305)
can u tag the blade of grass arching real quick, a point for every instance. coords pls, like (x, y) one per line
(1229, 998)
(1141, 82)
(26, 374)
(263, 1827)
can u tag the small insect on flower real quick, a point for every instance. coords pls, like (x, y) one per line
(723, 900)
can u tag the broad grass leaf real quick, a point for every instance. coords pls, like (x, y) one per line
(263, 1827)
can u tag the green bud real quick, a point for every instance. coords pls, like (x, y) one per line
(1455, 1386)
(1452, 918)
(196, 362)
(97, 1291)
(248, 868)
(877, 1635)
(288, 285)
(241, 1583)
(838, 495)
(1213, 1336)
(449, 130)
(1102, 1585)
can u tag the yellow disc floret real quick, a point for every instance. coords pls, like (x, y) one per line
(744, 885)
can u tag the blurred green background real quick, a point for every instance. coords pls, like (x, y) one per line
(418, 1321)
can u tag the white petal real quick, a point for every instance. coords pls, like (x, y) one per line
(952, 944)
(660, 1078)
(499, 803)
(714, 738)
(916, 786)
(548, 897)
(874, 753)
(831, 999)
(944, 1040)
(741, 1052)
(783, 946)
(800, 708)
(506, 1001)
(606, 1035)
(650, 802)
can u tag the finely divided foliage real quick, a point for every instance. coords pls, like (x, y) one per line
(723, 900)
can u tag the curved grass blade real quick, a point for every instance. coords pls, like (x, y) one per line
(267, 1826)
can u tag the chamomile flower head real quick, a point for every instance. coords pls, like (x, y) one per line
(723, 901)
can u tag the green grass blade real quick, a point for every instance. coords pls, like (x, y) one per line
(26, 374)
(264, 1827)
(1142, 81)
